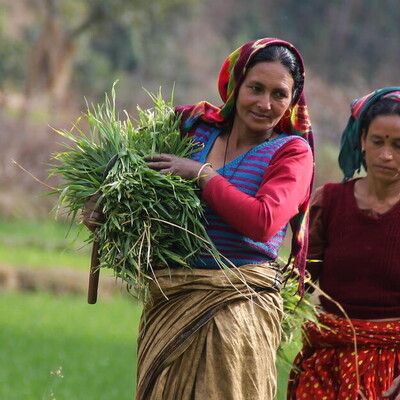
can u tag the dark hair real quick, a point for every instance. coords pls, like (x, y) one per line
(287, 58)
(384, 106)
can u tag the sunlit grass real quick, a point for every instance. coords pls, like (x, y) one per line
(43, 244)
(95, 346)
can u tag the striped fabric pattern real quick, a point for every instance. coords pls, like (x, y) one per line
(245, 173)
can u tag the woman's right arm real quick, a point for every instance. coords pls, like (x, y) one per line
(284, 187)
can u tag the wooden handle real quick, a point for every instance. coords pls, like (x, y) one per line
(94, 274)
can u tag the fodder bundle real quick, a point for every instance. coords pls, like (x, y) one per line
(151, 219)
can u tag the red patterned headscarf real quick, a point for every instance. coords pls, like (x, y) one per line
(231, 77)
(296, 122)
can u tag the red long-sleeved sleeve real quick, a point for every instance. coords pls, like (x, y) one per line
(285, 186)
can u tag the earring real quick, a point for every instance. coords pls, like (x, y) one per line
(288, 112)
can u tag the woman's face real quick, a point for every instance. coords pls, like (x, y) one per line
(263, 98)
(382, 148)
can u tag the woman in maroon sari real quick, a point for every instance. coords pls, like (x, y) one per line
(354, 253)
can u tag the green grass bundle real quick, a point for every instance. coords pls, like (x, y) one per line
(297, 311)
(151, 219)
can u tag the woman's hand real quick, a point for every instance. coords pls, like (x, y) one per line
(394, 390)
(168, 163)
(92, 214)
(183, 167)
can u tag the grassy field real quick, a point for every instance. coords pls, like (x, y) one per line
(59, 347)
(62, 348)
(44, 244)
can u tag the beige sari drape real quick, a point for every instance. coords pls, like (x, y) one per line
(211, 335)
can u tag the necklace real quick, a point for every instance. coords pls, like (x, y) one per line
(226, 152)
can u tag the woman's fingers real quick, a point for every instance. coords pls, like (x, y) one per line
(160, 158)
(159, 165)
(161, 162)
(180, 166)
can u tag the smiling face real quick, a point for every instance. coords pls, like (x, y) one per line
(382, 148)
(263, 98)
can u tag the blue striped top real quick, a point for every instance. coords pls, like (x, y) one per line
(245, 173)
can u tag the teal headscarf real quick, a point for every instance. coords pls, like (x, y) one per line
(350, 156)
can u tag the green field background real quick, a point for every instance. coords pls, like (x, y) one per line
(53, 345)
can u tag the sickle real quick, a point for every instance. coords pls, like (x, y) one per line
(94, 273)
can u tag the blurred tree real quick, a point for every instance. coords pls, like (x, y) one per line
(345, 40)
(93, 42)
(108, 28)
(11, 47)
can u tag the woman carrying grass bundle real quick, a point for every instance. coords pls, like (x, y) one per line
(213, 333)
(354, 252)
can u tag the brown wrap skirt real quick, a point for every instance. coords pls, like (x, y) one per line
(211, 334)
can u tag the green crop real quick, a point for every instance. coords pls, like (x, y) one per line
(152, 219)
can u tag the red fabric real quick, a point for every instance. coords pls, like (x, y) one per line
(365, 282)
(328, 361)
(278, 199)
